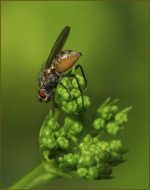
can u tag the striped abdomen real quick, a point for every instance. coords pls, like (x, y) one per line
(65, 60)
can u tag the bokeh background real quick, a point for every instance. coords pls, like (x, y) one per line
(113, 37)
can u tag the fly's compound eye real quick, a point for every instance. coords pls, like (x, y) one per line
(42, 93)
(45, 95)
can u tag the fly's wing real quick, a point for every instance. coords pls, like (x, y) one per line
(58, 45)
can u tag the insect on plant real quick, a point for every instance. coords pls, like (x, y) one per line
(74, 146)
(58, 65)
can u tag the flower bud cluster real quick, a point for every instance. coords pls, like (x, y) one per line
(57, 140)
(97, 157)
(92, 158)
(109, 118)
(69, 97)
(73, 149)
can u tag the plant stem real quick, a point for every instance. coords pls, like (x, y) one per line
(36, 177)
(56, 114)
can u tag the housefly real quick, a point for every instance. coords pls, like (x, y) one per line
(56, 66)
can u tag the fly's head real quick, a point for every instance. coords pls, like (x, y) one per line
(45, 95)
(48, 80)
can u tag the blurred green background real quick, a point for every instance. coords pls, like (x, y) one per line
(113, 37)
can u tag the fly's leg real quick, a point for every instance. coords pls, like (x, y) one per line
(74, 76)
(82, 72)
(66, 89)
(55, 105)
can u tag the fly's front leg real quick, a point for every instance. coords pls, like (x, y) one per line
(66, 89)
(82, 72)
(59, 82)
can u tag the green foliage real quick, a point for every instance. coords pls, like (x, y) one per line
(74, 149)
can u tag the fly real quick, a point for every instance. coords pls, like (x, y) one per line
(56, 66)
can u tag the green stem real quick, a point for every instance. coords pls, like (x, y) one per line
(36, 177)
(56, 114)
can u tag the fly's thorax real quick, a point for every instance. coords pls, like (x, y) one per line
(48, 81)
(48, 78)
(65, 60)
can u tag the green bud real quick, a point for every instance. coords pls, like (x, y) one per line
(82, 172)
(72, 126)
(83, 146)
(95, 140)
(47, 142)
(64, 108)
(59, 90)
(68, 121)
(74, 83)
(86, 101)
(70, 159)
(60, 159)
(45, 131)
(86, 152)
(75, 93)
(86, 160)
(61, 132)
(50, 143)
(71, 107)
(56, 126)
(64, 103)
(93, 173)
(114, 108)
(88, 139)
(50, 122)
(95, 151)
(116, 145)
(105, 109)
(57, 134)
(104, 116)
(43, 142)
(112, 128)
(76, 128)
(66, 82)
(99, 124)
(65, 95)
(62, 142)
(80, 102)
(93, 148)
(104, 145)
(121, 118)
(108, 109)
(81, 80)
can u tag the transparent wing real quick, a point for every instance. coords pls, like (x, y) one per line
(58, 45)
